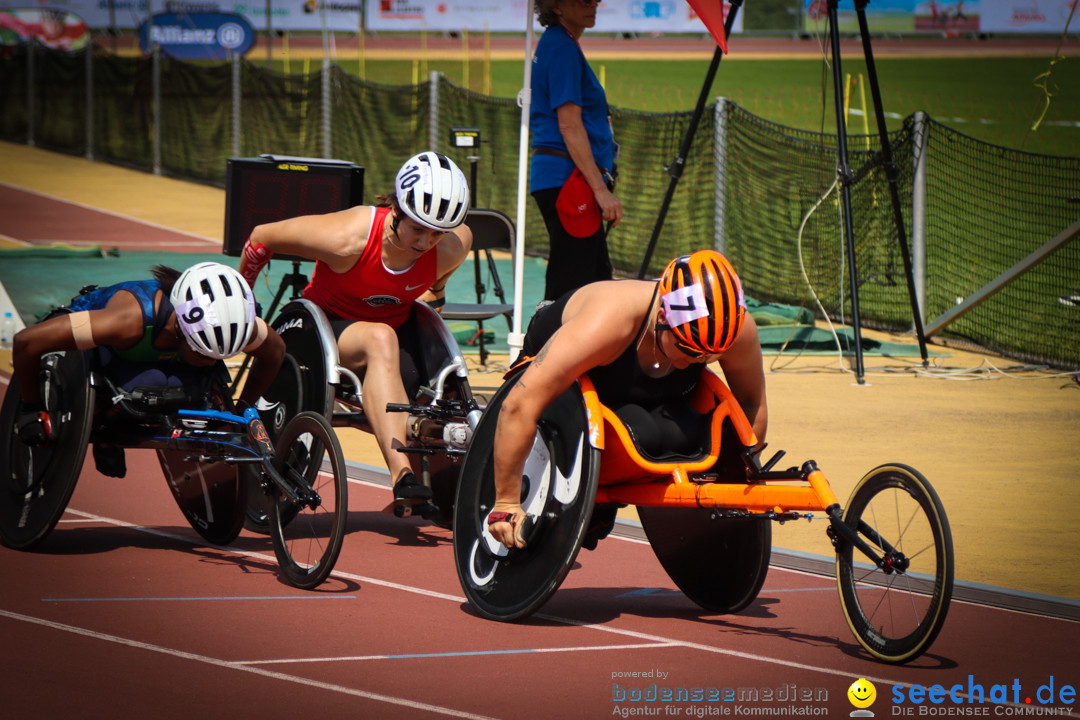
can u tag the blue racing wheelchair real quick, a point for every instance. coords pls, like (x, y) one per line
(202, 443)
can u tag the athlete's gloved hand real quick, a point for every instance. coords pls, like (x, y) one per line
(33, 425)
(253, 258)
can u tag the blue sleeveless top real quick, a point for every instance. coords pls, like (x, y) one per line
(153, 323)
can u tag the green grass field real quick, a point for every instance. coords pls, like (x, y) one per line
(993, 99)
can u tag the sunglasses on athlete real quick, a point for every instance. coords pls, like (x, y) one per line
(590, 3)
(685, 349)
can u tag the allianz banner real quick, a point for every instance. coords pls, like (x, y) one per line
(197, 36)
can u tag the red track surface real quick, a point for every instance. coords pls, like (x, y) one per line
(38, 220)
(124, 612)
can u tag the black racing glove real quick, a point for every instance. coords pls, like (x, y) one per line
(33, 425)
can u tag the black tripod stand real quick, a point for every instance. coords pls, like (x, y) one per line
(844, 169)
(846, 179)
(675, 169)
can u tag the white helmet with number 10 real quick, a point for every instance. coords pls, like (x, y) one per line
(432, 191)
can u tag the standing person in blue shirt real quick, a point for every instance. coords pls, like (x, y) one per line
(573, 160)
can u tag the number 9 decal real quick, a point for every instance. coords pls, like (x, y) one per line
(194, 316)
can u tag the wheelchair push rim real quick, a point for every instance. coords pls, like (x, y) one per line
(39, 481)
(559, 490)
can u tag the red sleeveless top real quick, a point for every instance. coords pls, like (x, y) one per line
(368, 290)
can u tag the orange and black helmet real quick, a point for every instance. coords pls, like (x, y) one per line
(703, 301)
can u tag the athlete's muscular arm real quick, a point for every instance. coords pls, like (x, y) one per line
(598, 324)
(118, 324)
(267, 350)
(335, 238)
(451, 252)
(745, 375)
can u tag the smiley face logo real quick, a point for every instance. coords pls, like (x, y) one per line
(862, 693)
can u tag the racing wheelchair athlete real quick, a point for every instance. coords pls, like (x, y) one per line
(364, 347)
(140, 364)
(611, 404)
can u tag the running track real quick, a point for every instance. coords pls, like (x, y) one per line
(124, 612)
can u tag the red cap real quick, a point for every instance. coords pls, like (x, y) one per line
(578, 210)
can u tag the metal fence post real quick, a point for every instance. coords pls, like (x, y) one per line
(918, 210)
(326, 107)
(720, 165)
(433, 109)
(237, 91)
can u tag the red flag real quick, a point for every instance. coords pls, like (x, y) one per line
(712, 14)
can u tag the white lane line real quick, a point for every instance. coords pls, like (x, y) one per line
(470, 653)
(306, 682)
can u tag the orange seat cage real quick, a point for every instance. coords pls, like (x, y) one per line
(629, 478)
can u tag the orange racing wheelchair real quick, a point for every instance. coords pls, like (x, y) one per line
(707, 517)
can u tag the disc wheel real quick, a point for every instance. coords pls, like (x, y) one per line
(558, 490)
(719, 563)
(39, 481)
(308, 535)
(896, 611)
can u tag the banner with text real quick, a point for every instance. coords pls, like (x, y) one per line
(632, 16)
(946, 17)
(955, 17)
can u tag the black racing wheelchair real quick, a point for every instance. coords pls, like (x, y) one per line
(707, 515)
(441, 415)
(208, 451)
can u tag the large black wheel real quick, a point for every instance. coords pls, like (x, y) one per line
(211, 495)
(283, 400)
(444, 469)
(896, 611)
(38, 481)
(719, 563)
(439, 350)
(308, 534)
(304, 381)
(558, 489)
(302, 384)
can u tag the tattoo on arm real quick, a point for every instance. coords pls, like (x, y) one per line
(540, 356)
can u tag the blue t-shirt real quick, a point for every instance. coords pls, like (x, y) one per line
(560, 74)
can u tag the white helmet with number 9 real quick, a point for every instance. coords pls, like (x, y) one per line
(432, 191)
(215, 309)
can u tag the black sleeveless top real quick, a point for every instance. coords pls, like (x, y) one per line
(622, 381)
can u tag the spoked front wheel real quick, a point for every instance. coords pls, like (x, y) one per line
(308, 532)
(897, 607)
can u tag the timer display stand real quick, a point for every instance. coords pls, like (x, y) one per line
(269, 188)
